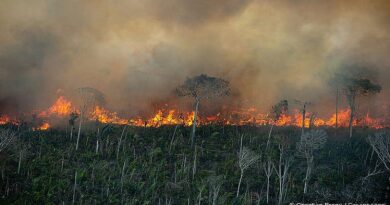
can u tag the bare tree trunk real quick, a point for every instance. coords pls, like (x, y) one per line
(303, 118)
(97, 141)
(242, 171)
(173, 138)
(312, 120)
(62, 163)
(352, 114)
(74, 187)
(308, 174)
(71, 132)
(269, 136)
(268, 173)
(280, 200)
(20, 160)
(337, 108)
(282, 172)
(120, 141)
(194, 165)
(194, 123)
(239, 183)
(123, 175)
(79, 132)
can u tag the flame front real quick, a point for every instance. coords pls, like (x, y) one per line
(62, 108)
(4, 120)
(44, 126)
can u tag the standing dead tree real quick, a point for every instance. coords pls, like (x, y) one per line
(6, 138)
(199, 88)
(246, 158)
(380, 143)
(89, 98)
(303, 110)
(337, 82)
(277, 111)
(282, 170)
(267, 167)
(357, 87)
(310, 142)
(215, 183)
(72, 118)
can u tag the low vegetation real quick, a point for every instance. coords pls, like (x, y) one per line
(227, 165)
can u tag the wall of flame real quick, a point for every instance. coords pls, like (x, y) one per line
(62, 108)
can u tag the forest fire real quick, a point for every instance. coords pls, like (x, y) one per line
(44, 126)
(4, 120)
(62, 108)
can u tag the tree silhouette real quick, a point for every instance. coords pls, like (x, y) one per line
(202, 87)
(357, 87)
(89, 98)
(310, 142)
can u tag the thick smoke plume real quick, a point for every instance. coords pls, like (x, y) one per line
(137, 52)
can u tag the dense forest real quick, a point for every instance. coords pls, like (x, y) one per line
(226, 165)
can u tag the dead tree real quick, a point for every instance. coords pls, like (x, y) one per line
(380, 143)
(277, 111)
(337, 82)
(215, 183)
(282, 171)
(303, 110)
(6, 138)
(309, 143)
(267, 166)
(354, 88)
(89, 98)
(72, 118)
(337, 108)
(246, 158)
(199, 88)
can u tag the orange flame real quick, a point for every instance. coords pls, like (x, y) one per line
(4, 120)
(63, 108)
(44, 126)
(104, 116)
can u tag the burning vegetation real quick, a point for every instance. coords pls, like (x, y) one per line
(63, 109)
(194, 102)
(201, 88)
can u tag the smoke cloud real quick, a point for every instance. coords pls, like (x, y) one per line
(137, 52)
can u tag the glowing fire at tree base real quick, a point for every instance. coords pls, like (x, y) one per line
(62, 108)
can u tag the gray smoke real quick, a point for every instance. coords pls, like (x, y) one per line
(137, 52)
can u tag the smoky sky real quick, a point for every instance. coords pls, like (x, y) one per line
(137, 52)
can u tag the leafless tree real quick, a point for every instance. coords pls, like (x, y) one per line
(372, 172)
(337, 107)
(303, 110)
(7, 136)
(72, 118)
(309, 143)
(246, 158)
(120, 141)
(337, 82)
(89, 98)
(215, 183)
(277, 111)
(74, 187)
(380, 143)
(199, 88)
(282, 171)
(357, 87)
(267, 166)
